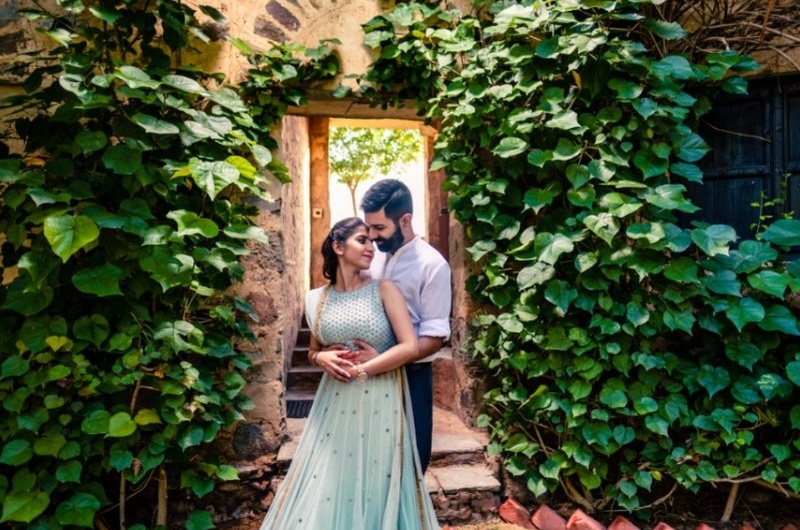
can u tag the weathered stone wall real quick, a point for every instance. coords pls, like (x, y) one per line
(275, 285)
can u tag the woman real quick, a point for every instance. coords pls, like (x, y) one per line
(356, 466)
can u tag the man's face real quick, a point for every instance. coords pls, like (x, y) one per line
(384, 232)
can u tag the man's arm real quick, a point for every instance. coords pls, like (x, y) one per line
(428, 346)
(436, 302)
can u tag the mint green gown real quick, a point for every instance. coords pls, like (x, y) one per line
(356, 465)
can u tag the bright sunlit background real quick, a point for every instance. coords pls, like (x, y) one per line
(412, 175)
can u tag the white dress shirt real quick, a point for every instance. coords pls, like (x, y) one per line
(423, 277)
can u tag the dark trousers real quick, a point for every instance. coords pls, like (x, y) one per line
(420, 386)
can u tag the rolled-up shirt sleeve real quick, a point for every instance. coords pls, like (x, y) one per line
(435, 303)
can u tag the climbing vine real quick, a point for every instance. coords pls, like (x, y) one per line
(126, 192)
(632, 352)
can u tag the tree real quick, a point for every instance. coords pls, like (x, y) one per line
(358, 154)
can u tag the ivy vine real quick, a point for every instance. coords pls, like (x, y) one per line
(126, 192)
(632, 353)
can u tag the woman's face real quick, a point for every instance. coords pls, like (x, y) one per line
(358, 250)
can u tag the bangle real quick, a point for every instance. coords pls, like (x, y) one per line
(314, 358)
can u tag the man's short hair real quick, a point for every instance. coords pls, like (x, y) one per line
(391, 195)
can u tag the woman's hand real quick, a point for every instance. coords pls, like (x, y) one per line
(336, 364)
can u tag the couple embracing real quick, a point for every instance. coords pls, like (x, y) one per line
(367, 441)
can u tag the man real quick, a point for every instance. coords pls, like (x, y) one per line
(423, 276)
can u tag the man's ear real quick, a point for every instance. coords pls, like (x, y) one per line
(405, 220)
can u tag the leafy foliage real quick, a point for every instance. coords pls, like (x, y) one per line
(126, 195)
(630, 352)
(358, 154)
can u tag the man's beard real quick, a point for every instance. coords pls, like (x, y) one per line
(392, 244)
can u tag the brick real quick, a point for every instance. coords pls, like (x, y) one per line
(581, 521)
(545, 518)
(663, 526)
(621, 523)
(513, 512)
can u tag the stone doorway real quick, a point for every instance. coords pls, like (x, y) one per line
(433, 207)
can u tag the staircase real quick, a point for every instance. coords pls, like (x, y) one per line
(302, 378)
(461, 479)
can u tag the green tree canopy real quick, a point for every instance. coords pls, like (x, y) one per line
(358, 154)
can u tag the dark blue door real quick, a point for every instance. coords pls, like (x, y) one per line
(752, 173)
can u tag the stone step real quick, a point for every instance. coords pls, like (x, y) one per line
(304, 378)
(300, 356)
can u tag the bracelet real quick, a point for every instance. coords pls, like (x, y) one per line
(314, 358)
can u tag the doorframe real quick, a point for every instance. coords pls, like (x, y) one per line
(437, 214)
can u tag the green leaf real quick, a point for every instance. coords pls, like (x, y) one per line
(744, 310)
(692, 148)
(536, 274)
(665, 30)
(779, 318)
(93, 328)
(652, 232)
(49, 445)
(550, 469)
(78, 510)
(481, 248)
(625, 89)
(96, 422)
(246, 169)
(100, 281)
(784, 232)
(122, 159)
(681, 270)
(91, 141)
(25, 506)
(69, 472)
(106, 14)
(225, 472)
(670, 197)
(745, 353)
(650, 163)
(192, 437)
(604, 225)
(673, 66)
(135, 77)
(510, 146)
(713, 379)
(792, 372)
(714, 239)
(550, 247)
(16, 453)
(723, 282)
(769, 282)
(560, 294)
(120, 425)
(67, 234)
(14, 366)
(146, 417)
(184, 84)
(645, 405)
(154, 125)
(190, 224)
(199, 520)
(212, 177)
(538, 198)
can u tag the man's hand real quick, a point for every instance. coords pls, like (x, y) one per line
(335, 363)
(364, 353)
(343, 350)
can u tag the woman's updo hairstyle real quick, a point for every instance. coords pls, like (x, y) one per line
(338, 234)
